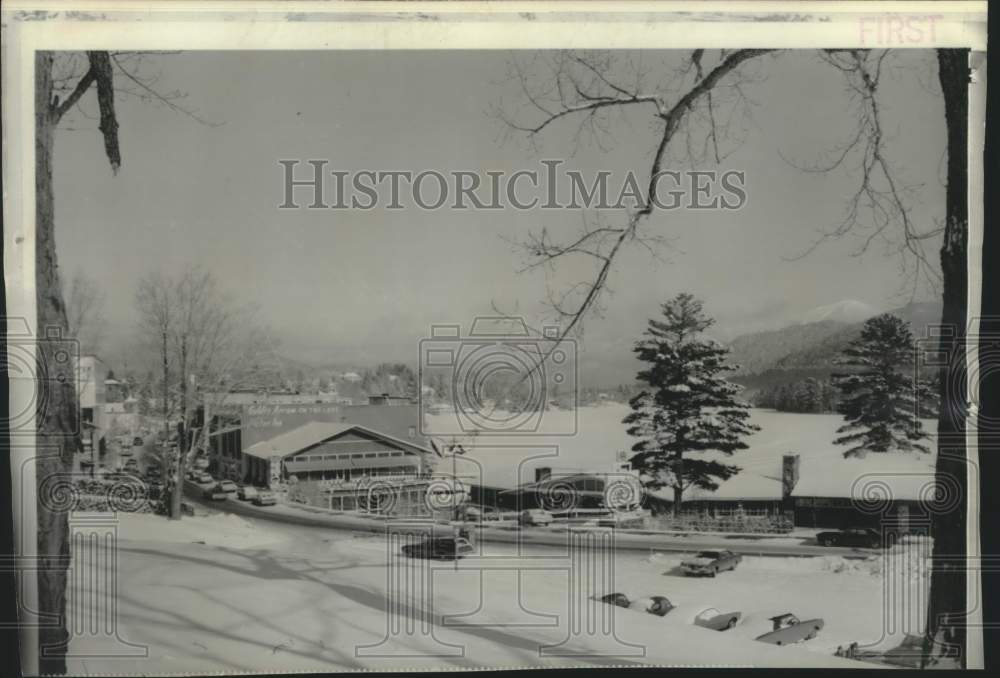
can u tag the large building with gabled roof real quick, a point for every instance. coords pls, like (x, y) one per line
(333, 451)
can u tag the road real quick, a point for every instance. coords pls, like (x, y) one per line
(542, 536)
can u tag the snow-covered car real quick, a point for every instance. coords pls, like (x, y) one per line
(229, 486)
(265, 499)
(205, 478)
(201, 463)
(535, 517)
(788, 629)
(863, 537)
(215, 493)
(711, 618)
(246, 493)
(711, 563)
(658, 605)
(125, 452)
(439, 548)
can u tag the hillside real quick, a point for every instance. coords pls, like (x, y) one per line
(814, 345)
(781, 358)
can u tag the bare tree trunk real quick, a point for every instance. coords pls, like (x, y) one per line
(947, 606)
(178, 491)
(56, 426)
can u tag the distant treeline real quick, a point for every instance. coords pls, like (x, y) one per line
(810, 396)
(819, 396)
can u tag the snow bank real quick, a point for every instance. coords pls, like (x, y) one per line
(223, 529)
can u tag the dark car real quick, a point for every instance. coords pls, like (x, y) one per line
(711, 563)
(863, 537)
(439, 548)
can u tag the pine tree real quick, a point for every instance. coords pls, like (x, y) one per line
(689, 406)
(877, 399)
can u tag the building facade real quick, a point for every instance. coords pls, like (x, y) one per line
(240, 422)
(91, 392)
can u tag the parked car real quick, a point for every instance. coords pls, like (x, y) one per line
(137, 441)
(201, 463)
(205, 477)
(215, 493)
(439, 548)
(265, 498)
(863, 537)
(711, 563)
(711, 618)
(125, 452)
(246, 493)
(86, 463)
(788, 630)
(229, 486)
(658, 605)
(131, 465)
(535, 517)
(153, 472)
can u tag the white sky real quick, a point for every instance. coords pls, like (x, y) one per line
(358, 287)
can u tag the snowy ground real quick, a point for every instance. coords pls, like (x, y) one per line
(256, 596)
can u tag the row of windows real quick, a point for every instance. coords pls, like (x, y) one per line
(356, 455)
(355, 474)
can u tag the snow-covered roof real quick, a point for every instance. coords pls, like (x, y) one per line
(297, 439)
(877, 476)
(597, 435)
(313, 433)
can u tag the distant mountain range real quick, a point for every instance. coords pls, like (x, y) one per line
(809, 349)
(847, 311)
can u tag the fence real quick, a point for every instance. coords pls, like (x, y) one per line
(745, 521)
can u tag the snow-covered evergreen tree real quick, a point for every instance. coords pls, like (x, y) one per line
(878, 396)
(688, 407)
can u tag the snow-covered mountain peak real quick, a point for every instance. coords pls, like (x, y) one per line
(846, 311)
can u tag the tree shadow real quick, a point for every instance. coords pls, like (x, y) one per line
(267, 565)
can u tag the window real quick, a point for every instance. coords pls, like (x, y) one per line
(370, 454)
(357, 456)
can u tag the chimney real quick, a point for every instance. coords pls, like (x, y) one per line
(789, 474)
